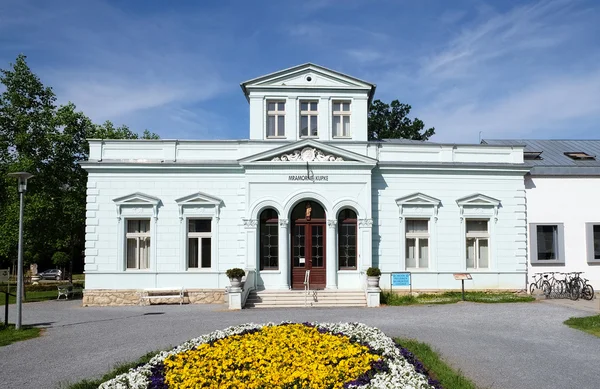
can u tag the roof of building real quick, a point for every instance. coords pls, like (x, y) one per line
(557, 157)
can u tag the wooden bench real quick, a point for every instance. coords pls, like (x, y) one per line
(65, 290)
(163, 293)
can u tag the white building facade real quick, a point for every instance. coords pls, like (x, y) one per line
(562, 206)
(307, 191)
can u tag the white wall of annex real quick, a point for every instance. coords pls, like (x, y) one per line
(573, 202)
(447, 252)
(102, 264)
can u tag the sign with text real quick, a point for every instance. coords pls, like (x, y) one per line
(462, 276)
(401, 279)
(4, 274)
(308, 178)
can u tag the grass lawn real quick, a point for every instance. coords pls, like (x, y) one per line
(9, 335)
(589, 324)
(32, 296)
(438, 369)
(389, 298)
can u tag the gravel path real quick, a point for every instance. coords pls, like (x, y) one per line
(501, 346)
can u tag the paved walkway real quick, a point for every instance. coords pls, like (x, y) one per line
(501, 346)
(592, 306)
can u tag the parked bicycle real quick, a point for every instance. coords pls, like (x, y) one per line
(571, 285)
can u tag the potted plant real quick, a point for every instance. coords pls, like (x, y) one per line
(235, 276)
(373, 274)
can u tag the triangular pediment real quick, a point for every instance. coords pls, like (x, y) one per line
(137, 198)
(309, 151)
(478, 199)
(418, 199)
(307, 76)
(199, 198)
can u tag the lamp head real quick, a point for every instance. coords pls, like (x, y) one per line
(22, 178)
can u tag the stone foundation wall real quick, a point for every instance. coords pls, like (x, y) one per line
(119, 297)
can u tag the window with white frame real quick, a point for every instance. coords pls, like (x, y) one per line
(137, 237)
(275, 119)
(199, 243)
(341, 119)
(309, 117)
(417, 243)
(478, 244)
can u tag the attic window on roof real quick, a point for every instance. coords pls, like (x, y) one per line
(580, 156)
(531, 155)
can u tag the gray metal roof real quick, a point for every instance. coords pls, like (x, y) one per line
(553, 160)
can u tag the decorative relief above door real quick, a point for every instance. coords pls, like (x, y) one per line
(308, 154)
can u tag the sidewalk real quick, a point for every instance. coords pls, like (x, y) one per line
(592, 306)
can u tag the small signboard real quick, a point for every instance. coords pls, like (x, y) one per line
(301, 260)
(401, 279)
(462, 276)
(4, 274)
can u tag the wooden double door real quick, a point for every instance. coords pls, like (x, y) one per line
(308, 253)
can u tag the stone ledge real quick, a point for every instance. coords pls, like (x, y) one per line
(124, 297)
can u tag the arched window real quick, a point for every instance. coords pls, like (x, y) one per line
(269, 240)
(347, 240)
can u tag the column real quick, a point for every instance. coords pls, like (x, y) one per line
(365, 229)
(284, 253)
(251, 246)
(332, 260)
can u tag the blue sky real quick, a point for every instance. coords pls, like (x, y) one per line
(511, 69)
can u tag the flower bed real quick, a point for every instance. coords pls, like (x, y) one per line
(286, 355)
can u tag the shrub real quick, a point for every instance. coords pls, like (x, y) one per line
(236, 272)
(373, 272)
(60, 259)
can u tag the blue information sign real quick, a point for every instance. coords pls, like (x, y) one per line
(401, 279)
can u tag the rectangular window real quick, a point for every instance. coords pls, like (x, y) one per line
(199, 236)
(308, 119)
(275, 119)
(478, 244)
(593, 242)
(417, 243)
(138, 243)
(341, 119)
(546, 243)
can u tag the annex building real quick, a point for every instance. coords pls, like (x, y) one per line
(306, 191)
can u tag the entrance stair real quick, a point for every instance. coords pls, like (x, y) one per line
(300, 298)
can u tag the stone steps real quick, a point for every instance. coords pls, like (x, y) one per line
(298, 298)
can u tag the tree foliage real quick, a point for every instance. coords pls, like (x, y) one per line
(390, 121)
(48, 141)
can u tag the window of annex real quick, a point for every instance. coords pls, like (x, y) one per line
(477, 243)
(347, 240)
(547, 243)
(269, 239)
(341, 119)
(137, 239)
(275, 119)
(199, 239)
(418, 217)
(199, 227)
(309, 117)
(593, 242)
(137, 214)
(417, 243)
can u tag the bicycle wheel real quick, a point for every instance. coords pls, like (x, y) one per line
(532, 288)
(574, 291)
(587, 293)
(546, 289)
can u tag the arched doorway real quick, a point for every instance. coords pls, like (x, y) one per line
(308, 245)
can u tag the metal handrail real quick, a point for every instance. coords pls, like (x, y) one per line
(306, 287)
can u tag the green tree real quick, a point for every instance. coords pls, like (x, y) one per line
(49, 142)
(390, 121)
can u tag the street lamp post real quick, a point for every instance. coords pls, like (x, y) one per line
(22, 178)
